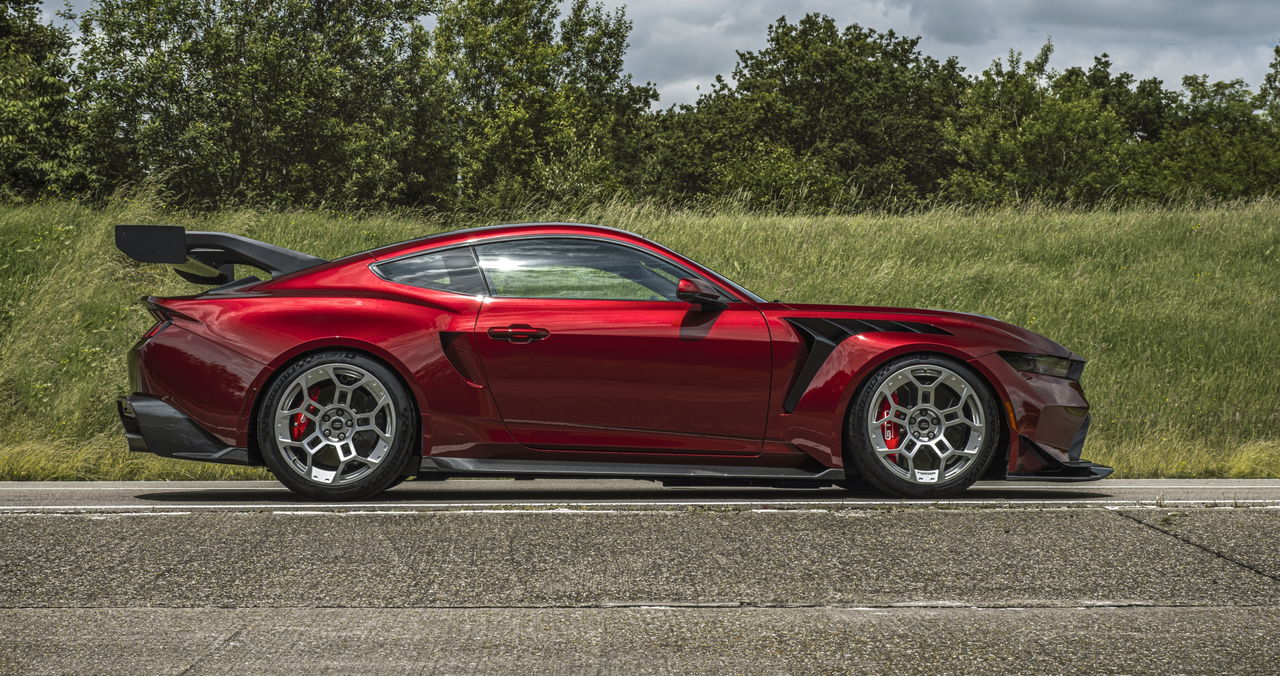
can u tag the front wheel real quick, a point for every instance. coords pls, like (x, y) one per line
(922, 427)
(337, 426)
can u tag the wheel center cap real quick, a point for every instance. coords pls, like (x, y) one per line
(335, 422)
(924, 424)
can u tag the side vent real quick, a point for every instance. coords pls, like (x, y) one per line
(449, 344)
(822, 335)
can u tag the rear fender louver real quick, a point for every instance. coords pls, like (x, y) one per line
(822, 335)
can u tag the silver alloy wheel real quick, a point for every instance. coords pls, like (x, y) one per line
(926, 424)
(334, 424)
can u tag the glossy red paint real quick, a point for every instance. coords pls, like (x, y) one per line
(628, 381)
(664, 377)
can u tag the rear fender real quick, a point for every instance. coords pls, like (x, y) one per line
(273, 330)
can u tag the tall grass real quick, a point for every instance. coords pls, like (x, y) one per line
(1175, 309)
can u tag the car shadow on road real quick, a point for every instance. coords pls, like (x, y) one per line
(456, 493)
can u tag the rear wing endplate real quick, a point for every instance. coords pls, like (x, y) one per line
(207, 257)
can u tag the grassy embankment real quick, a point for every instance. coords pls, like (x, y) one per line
(1176, 310)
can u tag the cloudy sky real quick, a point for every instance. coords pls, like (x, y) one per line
(683, 44)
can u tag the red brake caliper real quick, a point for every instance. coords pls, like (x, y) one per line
(888, 428)
(298, 427)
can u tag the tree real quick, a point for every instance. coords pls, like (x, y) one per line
(267, 101)
(1218, 145)
(544, 109)
(1023, 134)
(854, 111)
(38, 130)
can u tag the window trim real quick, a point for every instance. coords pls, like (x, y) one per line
(729, 298)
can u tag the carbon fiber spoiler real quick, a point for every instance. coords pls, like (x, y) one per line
(207, 257)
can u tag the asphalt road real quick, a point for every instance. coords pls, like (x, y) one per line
(622, 577)
(479, 493)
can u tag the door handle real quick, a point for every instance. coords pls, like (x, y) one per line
(518, 333)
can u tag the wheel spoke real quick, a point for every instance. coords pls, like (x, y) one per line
(373, 459)
(319, 475)
(370, 428)
(911, 461)
(895, 413)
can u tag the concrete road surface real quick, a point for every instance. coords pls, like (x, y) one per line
(624, 577)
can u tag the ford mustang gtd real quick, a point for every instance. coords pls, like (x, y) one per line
(557, 350)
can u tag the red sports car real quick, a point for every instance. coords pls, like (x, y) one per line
(560, 350)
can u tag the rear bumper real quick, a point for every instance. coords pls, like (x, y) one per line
(152, 426)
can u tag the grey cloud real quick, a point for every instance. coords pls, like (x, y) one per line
(1184, 19)
(961, 22)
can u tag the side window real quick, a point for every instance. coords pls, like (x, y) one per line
(452, 270)
(551, 267)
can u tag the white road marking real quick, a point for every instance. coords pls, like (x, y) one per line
(580, 507)
(160, 487)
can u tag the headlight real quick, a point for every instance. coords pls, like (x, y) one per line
(1058, 367)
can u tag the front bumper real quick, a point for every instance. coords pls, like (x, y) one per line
(1039, 463)
(152, 426)
(1048, 421)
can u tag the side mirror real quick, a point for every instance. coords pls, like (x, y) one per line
(698, 292)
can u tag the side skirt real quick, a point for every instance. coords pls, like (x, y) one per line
(684, 475)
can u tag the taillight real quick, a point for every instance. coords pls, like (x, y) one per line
(156, 328)
(164, 317)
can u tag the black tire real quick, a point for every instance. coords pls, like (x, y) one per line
(398, 454)
(861, 457)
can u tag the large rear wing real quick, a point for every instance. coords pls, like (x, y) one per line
(207, 257)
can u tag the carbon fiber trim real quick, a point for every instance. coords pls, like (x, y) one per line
(634, 470)
(822, 335)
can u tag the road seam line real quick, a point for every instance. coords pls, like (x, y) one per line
(1077, 604)
(209, 653)
(1222, 555)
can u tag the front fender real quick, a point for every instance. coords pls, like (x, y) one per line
(816, 425)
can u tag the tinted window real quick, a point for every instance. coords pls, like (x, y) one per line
(576, 268)
(453, 270)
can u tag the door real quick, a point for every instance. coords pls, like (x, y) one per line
(586, 347)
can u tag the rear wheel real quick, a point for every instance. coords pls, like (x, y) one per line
(337, 426)
(922, 427)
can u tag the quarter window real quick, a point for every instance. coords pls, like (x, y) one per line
(550, 267)
(452, 270)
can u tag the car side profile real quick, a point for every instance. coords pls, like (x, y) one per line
(567, 350)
